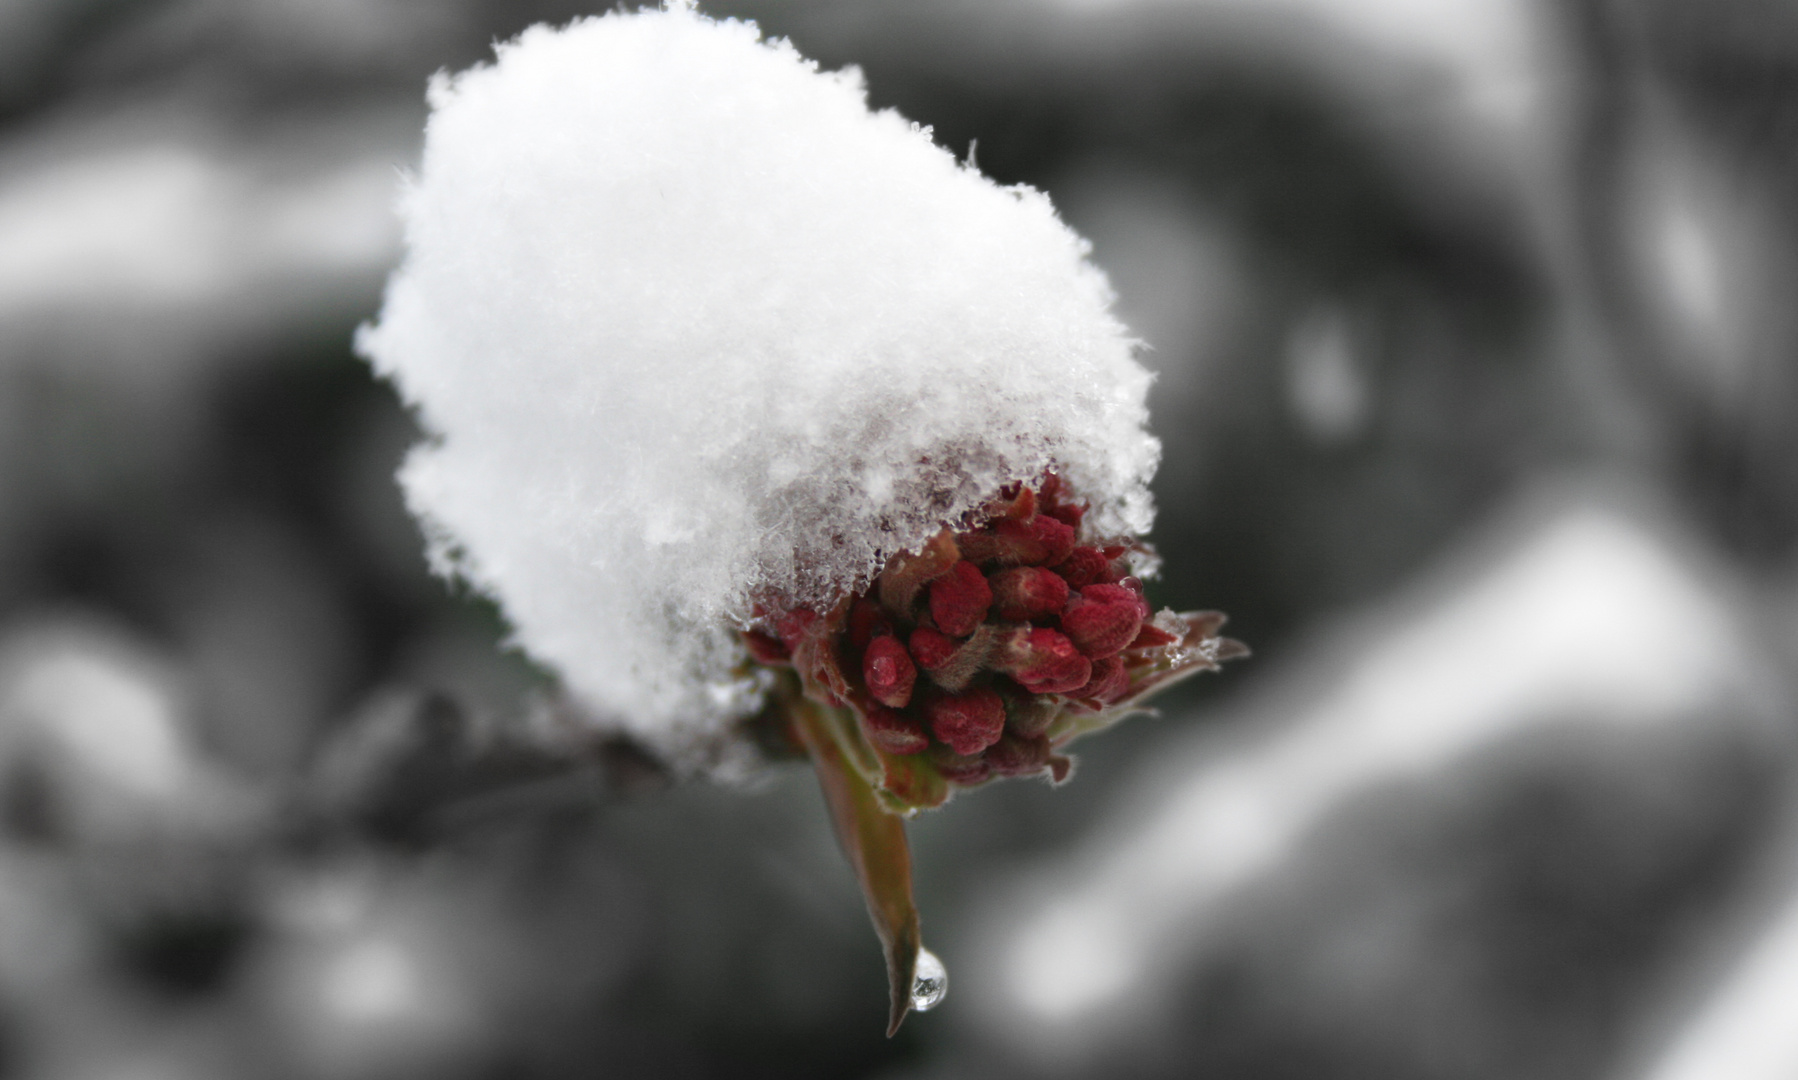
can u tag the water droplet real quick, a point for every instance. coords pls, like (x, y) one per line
(930, 982)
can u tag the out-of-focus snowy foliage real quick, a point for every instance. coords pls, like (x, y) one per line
(690, 326)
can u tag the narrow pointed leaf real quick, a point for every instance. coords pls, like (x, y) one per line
(874, 840)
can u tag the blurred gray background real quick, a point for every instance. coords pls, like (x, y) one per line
(1477, 344)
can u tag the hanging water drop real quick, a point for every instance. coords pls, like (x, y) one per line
(930, 982)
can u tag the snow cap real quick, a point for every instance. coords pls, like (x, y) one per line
(688, 325)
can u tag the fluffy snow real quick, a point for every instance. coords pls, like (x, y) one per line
(689, 325)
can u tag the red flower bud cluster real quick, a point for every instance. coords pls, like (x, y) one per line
(969, 650)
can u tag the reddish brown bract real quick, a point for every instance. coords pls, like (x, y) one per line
(894, 732)
(765, 649)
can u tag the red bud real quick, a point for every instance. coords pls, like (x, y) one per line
(968, 722)
(1103, 619)
(1042, 661)
(1108, 592)
(932, 648)
(1056, 537)
(1110, 681)
(1028, 592)
(959, 599)
(1086, 566)
(889, 672)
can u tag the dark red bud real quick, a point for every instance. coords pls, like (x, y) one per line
(1042, 661)
(889, 672)
(968, 722)
(1103, 619)
(1086, 566)
(1054, 537)
(766, 648)
(866, 621)
(1110, 681)
(1023, 593)
(895, 732)
(932, 649)
(1014, 756)
(1129, 591)
(1029, 715)
(959, 599)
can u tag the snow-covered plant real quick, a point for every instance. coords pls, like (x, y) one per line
(751, 405)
